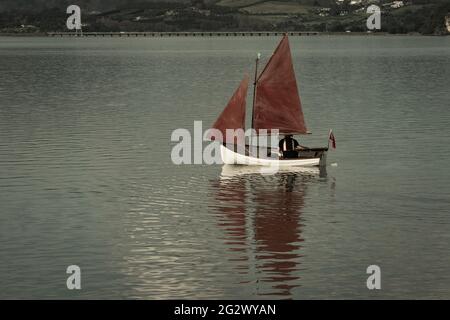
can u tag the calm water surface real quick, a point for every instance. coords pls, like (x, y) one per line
(86, 176)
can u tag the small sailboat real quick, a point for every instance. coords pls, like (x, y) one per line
(276, 106)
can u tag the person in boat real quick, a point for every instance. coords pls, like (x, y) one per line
(289, 147)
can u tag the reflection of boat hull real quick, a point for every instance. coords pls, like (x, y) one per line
(315, 158)
(232, 171)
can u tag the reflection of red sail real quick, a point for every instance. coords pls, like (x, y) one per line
(232, 216)
(275, 229)
(277, 101)
(233, 116)
(277, 232)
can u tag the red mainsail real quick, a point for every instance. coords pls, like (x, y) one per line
(277, 102)
(233, 116)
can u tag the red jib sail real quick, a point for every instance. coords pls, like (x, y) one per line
(233, 116)
(277, 102)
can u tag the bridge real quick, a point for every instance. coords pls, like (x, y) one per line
(183, 34)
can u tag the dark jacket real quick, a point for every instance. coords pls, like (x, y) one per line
(291, 144)
(287, 147)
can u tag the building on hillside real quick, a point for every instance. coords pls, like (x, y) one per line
(324, 12)
(397, 4)
(447, 22)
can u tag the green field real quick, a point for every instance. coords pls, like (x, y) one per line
(237, 3)
(275, 7)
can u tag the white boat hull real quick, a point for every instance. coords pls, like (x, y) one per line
(230, 157)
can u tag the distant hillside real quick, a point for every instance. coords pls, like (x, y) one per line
(409, 16)
(246, 3)
(102, 5)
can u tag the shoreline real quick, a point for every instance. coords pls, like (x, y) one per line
(207, 34)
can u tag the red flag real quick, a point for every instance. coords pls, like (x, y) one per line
(332, 139)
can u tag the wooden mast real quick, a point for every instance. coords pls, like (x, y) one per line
(254, 86)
